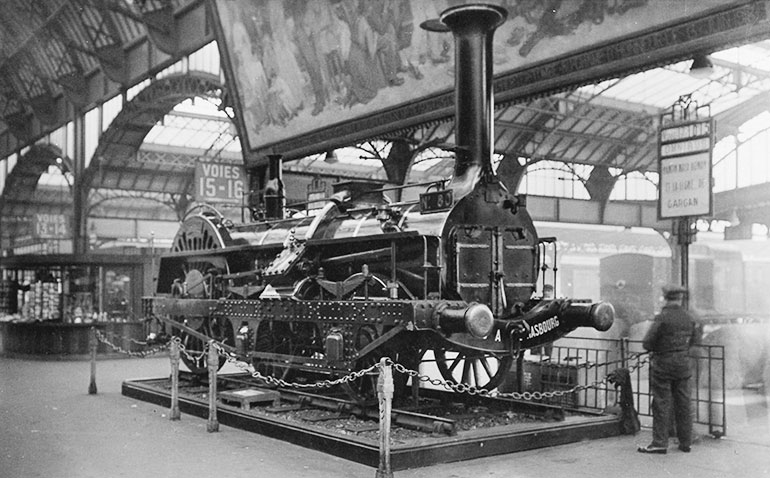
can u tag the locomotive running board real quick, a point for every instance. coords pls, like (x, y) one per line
(465, 445)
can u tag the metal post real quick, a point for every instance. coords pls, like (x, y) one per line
(685, 238)
(92, 345)
(173, 354)
(623, 351)
(385, 390)
(520, 371)
(79, 234)
(213, 364)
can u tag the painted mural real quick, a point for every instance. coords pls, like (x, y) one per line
(301, 65)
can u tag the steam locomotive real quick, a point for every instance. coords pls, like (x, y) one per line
(451, 277)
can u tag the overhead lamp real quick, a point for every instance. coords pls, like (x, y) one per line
(331, 157)
(702, 67)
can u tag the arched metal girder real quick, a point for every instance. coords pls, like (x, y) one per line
(23, 178)
(120, 143)
(22, 198)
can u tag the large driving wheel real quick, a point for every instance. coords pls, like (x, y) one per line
(364, 389)
(196, 357)
(483, 370)
(293, 339)
(202, 232)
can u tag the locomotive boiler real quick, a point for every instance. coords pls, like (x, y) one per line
(451, 277)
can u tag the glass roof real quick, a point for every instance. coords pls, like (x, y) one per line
(196, 123)
(738, 75)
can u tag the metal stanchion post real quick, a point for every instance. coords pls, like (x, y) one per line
(92, 345)
(385, 390)
(173, 354)
(623, 351)
(213, 364)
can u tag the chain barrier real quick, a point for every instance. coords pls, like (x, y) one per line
(117, 348)
(153, 351)
(192, 358)
(248, 368)
(446, 384)
(450, 385)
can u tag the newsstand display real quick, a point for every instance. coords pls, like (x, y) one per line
(48, 303)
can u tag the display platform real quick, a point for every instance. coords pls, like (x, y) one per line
(405, 452)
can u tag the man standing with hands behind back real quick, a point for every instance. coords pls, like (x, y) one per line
(669, 339)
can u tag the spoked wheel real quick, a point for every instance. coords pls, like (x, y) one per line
(295, 339)
(364, 389)
(195, 357)
(483, 370)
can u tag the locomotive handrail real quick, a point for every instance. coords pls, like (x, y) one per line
(390, 204)
(412, 185)
(388, 188)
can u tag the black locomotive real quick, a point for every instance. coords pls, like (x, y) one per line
(450, 277)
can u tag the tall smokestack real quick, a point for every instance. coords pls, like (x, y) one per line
(473, 27)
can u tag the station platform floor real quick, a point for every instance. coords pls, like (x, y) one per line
(50, 427)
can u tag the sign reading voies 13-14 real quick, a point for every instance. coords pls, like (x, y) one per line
(216, 182)
(684, 166)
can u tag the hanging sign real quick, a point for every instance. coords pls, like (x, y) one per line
(216, 182)
(51, 226)
(684, 167)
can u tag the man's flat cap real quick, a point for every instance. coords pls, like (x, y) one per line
(673, 291)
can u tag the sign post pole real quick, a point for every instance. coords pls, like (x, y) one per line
(685, 144)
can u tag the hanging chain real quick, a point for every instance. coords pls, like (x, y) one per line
(450, 385)
(248, 368)
(117, 348)
(446, 384)
(183, 350)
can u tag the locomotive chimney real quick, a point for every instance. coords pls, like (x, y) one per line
(473, 27)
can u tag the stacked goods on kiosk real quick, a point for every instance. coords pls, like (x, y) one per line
(41, 302)
(8, 299)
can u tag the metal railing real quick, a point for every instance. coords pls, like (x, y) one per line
(573, 361)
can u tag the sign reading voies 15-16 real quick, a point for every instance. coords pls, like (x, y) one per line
(216, 182)
(684, 166)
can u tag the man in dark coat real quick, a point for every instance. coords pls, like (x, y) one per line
(669, 339)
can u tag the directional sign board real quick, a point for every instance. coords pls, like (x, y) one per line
(51, 226)
(684, 165)
(219, 183)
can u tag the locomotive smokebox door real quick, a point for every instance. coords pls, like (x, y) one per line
(492, 251)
